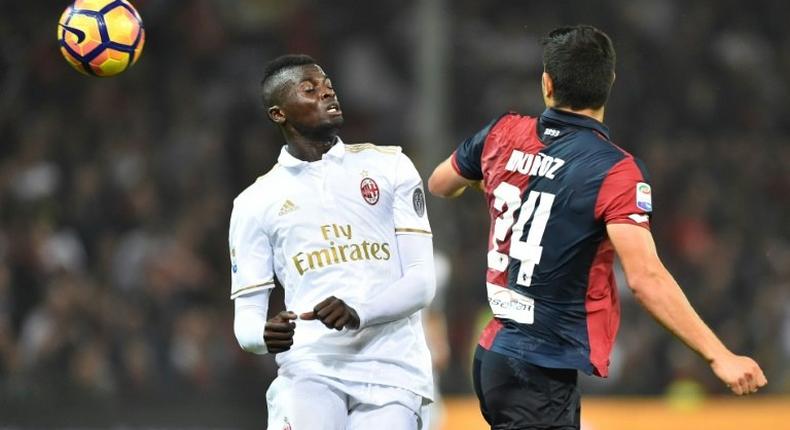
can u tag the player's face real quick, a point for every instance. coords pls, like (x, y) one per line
(310, 104)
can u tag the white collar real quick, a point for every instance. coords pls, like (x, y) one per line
(337, 151)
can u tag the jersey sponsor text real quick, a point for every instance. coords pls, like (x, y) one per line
(337, 253)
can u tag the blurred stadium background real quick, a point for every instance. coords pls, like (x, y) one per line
(115, 194)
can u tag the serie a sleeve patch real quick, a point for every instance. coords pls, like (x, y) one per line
(643, 197)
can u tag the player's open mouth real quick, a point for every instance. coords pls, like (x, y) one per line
(334, 109)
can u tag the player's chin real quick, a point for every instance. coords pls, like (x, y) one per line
(335, 121)
(323, 127)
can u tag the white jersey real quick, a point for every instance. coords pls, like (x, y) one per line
(327, 228)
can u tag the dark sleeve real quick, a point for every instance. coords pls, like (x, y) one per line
(466, 158)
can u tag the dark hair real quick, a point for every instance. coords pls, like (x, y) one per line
(580, 61)
(273, 68)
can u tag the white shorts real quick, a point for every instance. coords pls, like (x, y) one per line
(321, 403)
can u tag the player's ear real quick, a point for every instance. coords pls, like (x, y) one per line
(276, 114)
(547, 85)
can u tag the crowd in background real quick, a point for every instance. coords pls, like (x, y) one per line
(115, 194)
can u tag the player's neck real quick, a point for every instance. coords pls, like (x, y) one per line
(596, 114)
(309, 149)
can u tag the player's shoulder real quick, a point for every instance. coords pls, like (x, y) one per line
(621, 160)
(370, 149)
(256, 191)
(595, 142)
(620, 154)
(510, 131)
(382, 158)
(513, 122)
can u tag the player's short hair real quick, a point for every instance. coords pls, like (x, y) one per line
(270, 85)
(580, 60)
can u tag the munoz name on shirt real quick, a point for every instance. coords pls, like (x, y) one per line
(534, 164)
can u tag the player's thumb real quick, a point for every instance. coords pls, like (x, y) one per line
(287, 315)
(307, 316)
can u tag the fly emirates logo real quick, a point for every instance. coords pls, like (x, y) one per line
(534, 164)
(341, 249)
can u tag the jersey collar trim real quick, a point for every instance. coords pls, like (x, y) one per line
(566, 117)
(285, 159)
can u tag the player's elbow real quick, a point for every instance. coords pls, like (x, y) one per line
(641, 281)
(423, 284)
(429, 289)
(645, 284)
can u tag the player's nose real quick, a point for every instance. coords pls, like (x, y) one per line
(327, 92)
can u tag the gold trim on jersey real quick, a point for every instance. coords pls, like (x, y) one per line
(359, 147)
(413, 230)
(234, 294)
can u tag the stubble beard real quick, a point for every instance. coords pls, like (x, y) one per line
(326, 131)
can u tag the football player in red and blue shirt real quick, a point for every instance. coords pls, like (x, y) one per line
(563, 199)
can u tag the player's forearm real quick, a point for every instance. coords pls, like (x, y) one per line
(249, 321)
(445, 183)
(440, 188)
(660, 294)
(412, 292)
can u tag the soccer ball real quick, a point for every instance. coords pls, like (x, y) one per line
(101, 37)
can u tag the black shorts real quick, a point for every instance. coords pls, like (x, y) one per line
(516, 395)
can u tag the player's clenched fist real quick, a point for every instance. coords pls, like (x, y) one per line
(333, 313)
(741, 374)
(279, 332)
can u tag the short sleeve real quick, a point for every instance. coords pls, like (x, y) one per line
(466, 158)
(410, 212)
(625, 196)
(250, 254)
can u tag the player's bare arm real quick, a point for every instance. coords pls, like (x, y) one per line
(279, 332)
(447, 183)
(334, 313)
(659, 293)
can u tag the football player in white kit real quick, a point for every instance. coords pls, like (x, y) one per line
(344, 229)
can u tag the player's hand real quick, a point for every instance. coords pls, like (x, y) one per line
(279, 332)
(741, 374)
(334, 314)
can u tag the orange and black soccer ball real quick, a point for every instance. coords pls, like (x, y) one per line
(101, 37)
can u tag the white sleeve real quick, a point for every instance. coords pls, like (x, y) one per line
(249, 320)
(412, 292)
(410, 214)
(250, 253)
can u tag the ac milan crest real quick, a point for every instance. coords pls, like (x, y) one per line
(370, 191)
